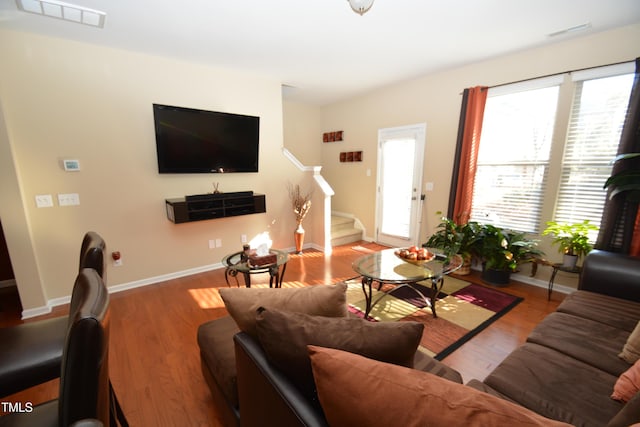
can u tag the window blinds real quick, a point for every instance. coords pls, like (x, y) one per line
(595, 125)
(513, 159)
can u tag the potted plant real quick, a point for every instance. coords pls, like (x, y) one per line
(453, 238)
(572, 240)
(502, 251)
(625, 182)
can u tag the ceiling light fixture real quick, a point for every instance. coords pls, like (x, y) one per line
(360, 6)
(65, 11)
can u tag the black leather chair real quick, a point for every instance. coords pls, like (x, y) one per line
(31, 353)
(85, 391)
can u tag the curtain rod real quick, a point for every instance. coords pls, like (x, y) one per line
(563, 72)
(559, 73)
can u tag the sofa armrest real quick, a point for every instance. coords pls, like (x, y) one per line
(612, 274)
(265, 393)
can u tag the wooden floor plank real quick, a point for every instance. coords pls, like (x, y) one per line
(154, 357)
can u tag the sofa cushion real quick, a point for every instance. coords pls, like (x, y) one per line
(628, 384)
(631, 351)
(354, 390)
(556, 385)
(322, 300)
(215, 339)
(616, 312)
(285, 336)
(594, 343)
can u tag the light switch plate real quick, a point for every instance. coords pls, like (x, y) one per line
(69, 199)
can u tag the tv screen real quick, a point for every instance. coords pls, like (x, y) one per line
(198, 141)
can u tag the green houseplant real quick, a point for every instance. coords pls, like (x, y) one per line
(625, 185)
(625, 182)
(572, 239)
(453, 238)
(502, 250)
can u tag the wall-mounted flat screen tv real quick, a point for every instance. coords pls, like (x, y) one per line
(197, 141)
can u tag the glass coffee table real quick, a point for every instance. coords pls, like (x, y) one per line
(235, 264)
(385, 268)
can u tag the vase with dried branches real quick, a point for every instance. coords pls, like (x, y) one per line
(301, 203)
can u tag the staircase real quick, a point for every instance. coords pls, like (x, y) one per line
(344, 230)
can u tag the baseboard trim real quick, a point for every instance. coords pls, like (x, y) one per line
(542, 284)
(35, 312)
(38, 311)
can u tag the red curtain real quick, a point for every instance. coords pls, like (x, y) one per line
(474, 100)
(635, 240)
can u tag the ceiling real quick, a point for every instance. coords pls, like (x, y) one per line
(321, 51)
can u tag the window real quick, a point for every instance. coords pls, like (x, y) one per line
(513, 158)
(597, 118)
(519, 183)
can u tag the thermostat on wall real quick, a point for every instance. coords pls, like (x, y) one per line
(71, 165)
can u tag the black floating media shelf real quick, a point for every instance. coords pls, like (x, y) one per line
(200, 207)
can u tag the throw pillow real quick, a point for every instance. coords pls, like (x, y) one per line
(354, 390)
(627, 384)
(284, 336)
(324, 300)
(631, 350)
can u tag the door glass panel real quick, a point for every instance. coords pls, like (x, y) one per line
(397, 186)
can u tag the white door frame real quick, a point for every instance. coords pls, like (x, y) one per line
(418, 132)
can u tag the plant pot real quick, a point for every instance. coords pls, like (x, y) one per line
(496, 277)
(466, 266)
(569, 261)
(298, 236)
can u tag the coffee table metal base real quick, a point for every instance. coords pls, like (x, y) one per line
(367, 289)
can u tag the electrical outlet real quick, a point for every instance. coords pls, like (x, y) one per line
(117, 262)
(218, 243)
(44, 201)
(212, 244)
(243, 238)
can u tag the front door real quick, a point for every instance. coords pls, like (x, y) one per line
(399, 196)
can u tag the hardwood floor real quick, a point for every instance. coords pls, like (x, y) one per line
(154, 358)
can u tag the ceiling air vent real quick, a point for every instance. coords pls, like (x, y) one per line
(65, 11)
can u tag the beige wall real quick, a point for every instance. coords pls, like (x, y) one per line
(303, 132)
(435, 100)
(64, 99)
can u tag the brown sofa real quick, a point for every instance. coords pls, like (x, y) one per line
(569, 364)
(565, 371)
(239, 375)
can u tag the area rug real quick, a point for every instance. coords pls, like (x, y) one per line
(464, 309)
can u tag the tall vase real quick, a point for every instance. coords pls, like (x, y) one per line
(298, 235)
